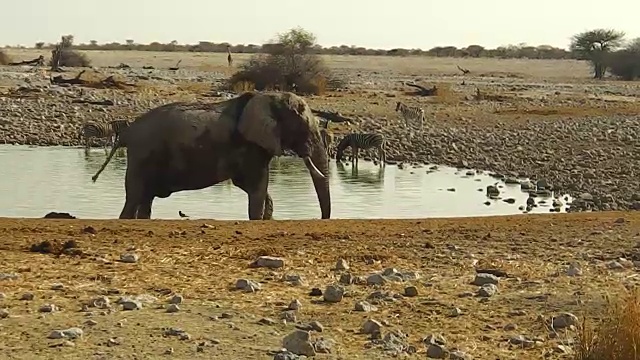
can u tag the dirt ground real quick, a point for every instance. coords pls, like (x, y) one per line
(202, 260)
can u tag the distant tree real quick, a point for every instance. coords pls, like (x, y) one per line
(625, 63)
(289, 65)
(129, 43)
(474, 50)
(39, 45)
(93, 42)
(595, 46)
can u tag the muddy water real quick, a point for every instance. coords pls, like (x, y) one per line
(36, 180)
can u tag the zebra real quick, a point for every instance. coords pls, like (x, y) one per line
(409, 113)
(359, 141)
(92, 129)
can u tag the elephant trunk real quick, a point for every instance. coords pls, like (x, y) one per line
(318, 162)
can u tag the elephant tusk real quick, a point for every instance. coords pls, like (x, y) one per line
(312, 167)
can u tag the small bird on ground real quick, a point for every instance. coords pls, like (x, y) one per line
(182, 215)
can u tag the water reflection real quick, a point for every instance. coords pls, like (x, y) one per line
(371, 176)
(37, 180)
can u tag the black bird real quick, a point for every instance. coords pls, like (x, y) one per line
(182, 215)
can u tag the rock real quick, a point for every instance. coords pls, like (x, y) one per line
(376, 279)
(176, 299)
(268, 262)
(70, 333)
(574, 270)
(129, 258)
(564, 320)
(48, 308)
(4, 313)
(8, 276)
(286, 355)
(130, 304)
(315, 292)
(347, 279)
(459, 355)
(520, 340)
(342, 264)
(455, 312)
(487, 290)
(295, 279)
(27, 297)
(295, 305)
(101, 302)
(298, 343)
(173, 308)
(364, 306)
(371, 327)
(247, 285)
(323, 346)
(411, 291)
(482, 279)
(333, 294)
(437, 351)
(57, 286)
(266, 321)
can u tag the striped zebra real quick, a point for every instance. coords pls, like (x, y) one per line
(359, 141)
(411, 113)
(110, 130)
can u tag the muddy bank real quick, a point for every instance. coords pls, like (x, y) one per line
(593, 158)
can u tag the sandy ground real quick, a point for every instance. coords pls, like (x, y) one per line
(202, 261)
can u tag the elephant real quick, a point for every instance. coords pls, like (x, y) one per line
(189, 146)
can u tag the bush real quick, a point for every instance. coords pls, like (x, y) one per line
(625, 64)
(304, 74)
(617, 336)
(71, 58)
(4, 58)
(290, 65)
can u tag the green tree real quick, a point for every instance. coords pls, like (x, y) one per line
(39, 45)
(596, 46)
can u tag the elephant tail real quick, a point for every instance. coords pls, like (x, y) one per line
(116, 145)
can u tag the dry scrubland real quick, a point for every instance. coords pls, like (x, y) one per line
(544, 266)
(542, 118)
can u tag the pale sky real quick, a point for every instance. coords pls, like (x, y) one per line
(372, 24)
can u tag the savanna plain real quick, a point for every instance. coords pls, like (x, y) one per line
(516, 287)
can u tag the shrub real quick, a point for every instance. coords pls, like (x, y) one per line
(4, 58)
(289, 66)
(625, 64)
(617, 336)
(71, 58)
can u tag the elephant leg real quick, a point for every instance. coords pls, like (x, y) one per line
(268, 208)
(134, 189)
(144, 209)
(256, 190)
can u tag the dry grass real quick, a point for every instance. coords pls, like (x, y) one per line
(203, 259)
(414, 66)
(617, 335)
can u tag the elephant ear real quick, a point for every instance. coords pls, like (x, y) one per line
(258, 125)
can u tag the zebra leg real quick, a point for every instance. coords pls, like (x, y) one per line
(356, 150)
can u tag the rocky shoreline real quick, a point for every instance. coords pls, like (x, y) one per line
(593, 159)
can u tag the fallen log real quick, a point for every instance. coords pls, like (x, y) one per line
(108, 82)
(423, 91)
(93, 102)
(39, 61)
(331, 116)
